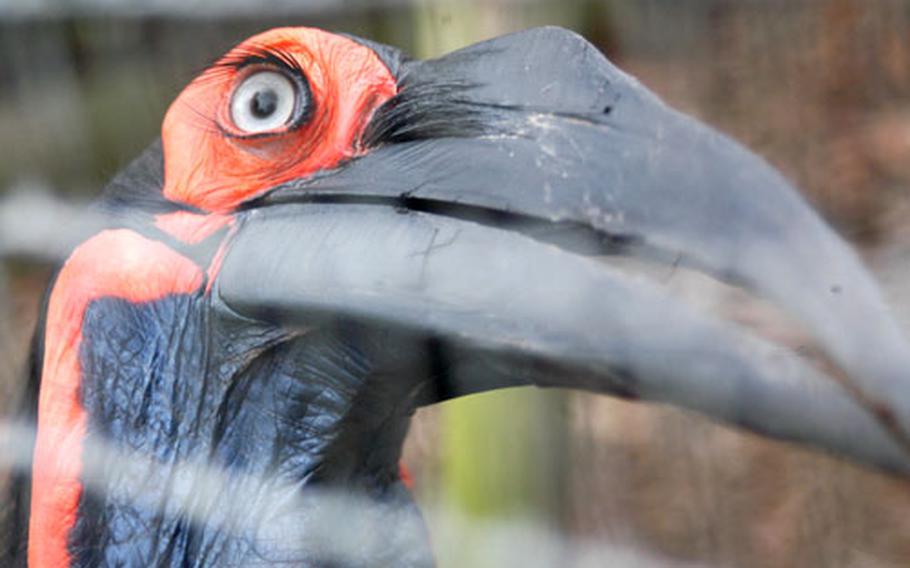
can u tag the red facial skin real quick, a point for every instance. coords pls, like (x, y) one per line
(208, 164)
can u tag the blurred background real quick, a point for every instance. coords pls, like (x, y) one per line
(525, 477)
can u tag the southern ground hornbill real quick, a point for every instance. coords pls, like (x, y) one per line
(330, 234)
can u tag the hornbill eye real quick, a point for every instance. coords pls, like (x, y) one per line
(280, 106)
(265, 101)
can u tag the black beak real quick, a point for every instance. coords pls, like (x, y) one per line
(492, 179)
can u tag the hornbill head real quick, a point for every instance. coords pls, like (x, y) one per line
(330, 234)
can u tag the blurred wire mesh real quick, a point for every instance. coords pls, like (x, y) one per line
(821, 88)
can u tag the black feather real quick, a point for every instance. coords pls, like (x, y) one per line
(426, 109)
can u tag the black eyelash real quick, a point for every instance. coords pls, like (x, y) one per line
(246, 56)
(260, 55)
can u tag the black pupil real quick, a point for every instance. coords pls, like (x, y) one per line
(264, 103)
